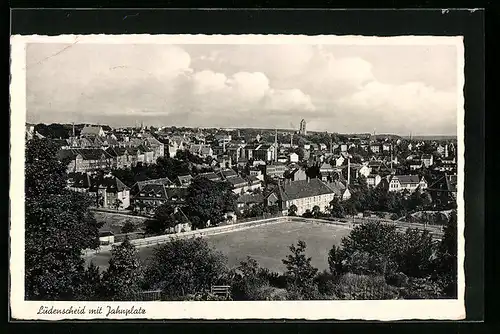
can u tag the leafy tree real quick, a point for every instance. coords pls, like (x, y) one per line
(307, 214)
(90, 287)
(300, 273)
(335, 260)
(292, 210)
(128, 227)
(253, 282)
(185, 266)
(313, 172)
(273, 209)
(372, 248)
(162, 219)
(209, 201)
(336, 208)
(122, 279)
(415, 257)
(316, 211)
(58, 227)
(117, 203)
(446, 262)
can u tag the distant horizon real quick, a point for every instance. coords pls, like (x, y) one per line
(413, 135)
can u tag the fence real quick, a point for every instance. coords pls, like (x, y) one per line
(149, 296)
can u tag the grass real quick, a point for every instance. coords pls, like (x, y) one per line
(267, 244)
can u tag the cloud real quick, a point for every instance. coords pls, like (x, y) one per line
(290, 99)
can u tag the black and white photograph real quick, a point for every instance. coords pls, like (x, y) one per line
(237, 175)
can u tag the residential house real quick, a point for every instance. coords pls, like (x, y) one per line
(427, 160)
(275, 170)
(106, 238)
(210, 176)
(248, 200)
(326, 169)
(375, 148)
(201, 150)
(365, 170)
(373, 180)
(299, 174)
(386, 147)
(265, 152)
(322, 147)
(239, 184)
(181, 221)
(339, 161)
(86, 160)
(415, 164)
(305, 195)
(344, 147)
(407, 182)
(293, 157)
(340, 190)
(253, 183)
(257, 173)
(176, 143)
(157, 146)
(110, 192)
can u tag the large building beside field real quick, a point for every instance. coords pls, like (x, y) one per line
(304, 194)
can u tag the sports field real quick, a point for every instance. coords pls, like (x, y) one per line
(268, 244)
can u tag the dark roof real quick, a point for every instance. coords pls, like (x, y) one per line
(302, 189)
(161, 181)
(426, 156)
(250, 198)
(92, 153)
(111, 183)
(210, 176)
(337, 187)
(179, 193)
(228, 173)
(152, 190)
(236, 180)
(105, 234)
(80, 180)
(407, 178)
(184, 178)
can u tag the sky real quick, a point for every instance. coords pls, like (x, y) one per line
(337, 88)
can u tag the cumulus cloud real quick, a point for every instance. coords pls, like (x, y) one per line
(243, 84)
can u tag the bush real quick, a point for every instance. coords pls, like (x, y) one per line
(397, 279)
(355, 287)
(422, 288)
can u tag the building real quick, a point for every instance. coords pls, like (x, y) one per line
(299, 174)
(375, 148)
(86, 160)
(108, 190)
(248, 200)
(302, 129)
(407, 182)
(92, 131)
(373, 180)
(184, 180)
(106, 238)
(201, 150)
(305, 195)
(275, 170)
(293, 157)
(325, 170)
(427, 160)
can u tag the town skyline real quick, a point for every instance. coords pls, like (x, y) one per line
(336, 88)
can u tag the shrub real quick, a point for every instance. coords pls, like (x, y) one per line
(355, 287)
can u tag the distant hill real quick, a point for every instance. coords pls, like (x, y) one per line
(432, 137)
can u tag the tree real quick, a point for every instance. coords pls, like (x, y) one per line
(336, 208)
(162, 220)
(292, 210)
(415, 257)
(300, 273)
(58, 227)
(252, 283)
(209, 201)
(185, 266)
(122, 279)
(316, 211)
(446, 261)
(91, 287)
(128, 227)
(372, 248)
(117, 203)
(335, 260)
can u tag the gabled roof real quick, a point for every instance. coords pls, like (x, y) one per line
(337, 187)
(161, 181)
(250, 198)
(326, 166)
(302, 189)
(237, 181)
(228, 173)
(406, 179)
(184, 178)
(111, 183)
(153, 190)
(210, 176)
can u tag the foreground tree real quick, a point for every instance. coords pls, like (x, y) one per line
(185, 266)
(371, 248)
(446, 262)
(58, 227)
(300, 273)
(122, 279)
(416, 254)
